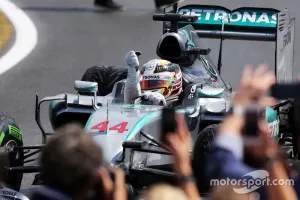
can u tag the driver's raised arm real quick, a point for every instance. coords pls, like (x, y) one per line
(132, 86)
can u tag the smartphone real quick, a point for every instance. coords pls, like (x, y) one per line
(286, 91)
(168, 123)
(251, 127)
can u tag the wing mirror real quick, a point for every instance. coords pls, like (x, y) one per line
(87, 87)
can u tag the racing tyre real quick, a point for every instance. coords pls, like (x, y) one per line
(10, 136)
(200, 156)
(105, 76)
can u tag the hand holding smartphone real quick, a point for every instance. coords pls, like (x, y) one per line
(253, 116)
(168, 123)
(251, 121)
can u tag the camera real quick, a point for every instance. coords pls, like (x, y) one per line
(97, 190)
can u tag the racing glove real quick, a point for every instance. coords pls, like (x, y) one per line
(154, 98)
(132, 62)
(132, 89)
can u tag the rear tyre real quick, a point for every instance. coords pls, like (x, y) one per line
(200, 156)
(10, 136)
(105, 76)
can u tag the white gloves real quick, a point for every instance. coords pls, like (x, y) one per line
(154, 98)
(132, 59)
(132, 62)
(132, 86)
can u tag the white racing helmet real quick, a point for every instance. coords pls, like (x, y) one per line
(162, 76)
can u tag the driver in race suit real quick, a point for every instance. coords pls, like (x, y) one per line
(157, 82)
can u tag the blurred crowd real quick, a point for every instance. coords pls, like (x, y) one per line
(73, 166)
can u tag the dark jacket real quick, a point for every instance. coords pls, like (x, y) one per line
(226, 161)
(48, 193)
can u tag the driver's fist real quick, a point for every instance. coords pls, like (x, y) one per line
(154, 98)
(131, 59)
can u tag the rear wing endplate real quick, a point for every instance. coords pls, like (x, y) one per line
(245, 23)
(285, 47)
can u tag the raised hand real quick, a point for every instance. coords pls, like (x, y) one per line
(253, 86)
(132, 59)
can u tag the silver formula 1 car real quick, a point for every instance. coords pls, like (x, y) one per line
(129, 133)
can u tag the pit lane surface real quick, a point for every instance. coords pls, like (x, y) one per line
(73, 35)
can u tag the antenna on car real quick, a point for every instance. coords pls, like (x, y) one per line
(225, 20)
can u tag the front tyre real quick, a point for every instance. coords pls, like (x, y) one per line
(200, 156)
(10, 137)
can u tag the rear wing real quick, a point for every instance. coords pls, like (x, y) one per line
(245, 23)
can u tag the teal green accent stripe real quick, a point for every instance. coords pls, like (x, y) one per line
(272, 115)
(133, 106)
(89, 120)
(52, 104)
(190, 43)
(1, 137)
(146, 119)
(87, 89)
(200, 94)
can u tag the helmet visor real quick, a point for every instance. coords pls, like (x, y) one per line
(154, 84)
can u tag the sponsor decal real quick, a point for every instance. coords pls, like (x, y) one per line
(15, 132)
(262, 18)
(160, 68)
(157, 77)
(149, 67)
(151, 77)
(287, 38)
(167, 68)
(153, 63)
(8, 193)
(274, 128)
(163, 62)
(192, 92)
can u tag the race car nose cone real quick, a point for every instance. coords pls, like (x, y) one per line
(111, 144)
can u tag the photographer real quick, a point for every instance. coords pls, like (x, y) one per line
(229, 150)
(71, 169)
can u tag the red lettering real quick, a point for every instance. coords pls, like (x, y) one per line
(101, 127)
(120, 127)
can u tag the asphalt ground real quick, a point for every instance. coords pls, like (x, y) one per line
(73, 35)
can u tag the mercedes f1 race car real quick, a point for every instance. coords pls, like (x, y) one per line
(129, 133)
